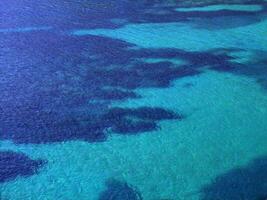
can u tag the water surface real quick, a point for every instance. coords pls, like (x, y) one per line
(133, 100)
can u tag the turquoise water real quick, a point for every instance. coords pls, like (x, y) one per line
(203, 68)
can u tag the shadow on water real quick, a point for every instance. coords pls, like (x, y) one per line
(117, 190)
(244, 183)
(14, 164)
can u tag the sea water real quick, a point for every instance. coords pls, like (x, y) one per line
(126, 100)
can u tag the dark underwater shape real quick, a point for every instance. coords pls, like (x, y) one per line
(115, 94)
(13, 165)
(142, 119)
(60, 88)
(117, 190)
(255, 67)
(144, 113)
(246, 183)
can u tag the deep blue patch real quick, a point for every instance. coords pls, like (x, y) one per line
(59, 88)
(13, 165)
(255, 68)
(115, 94)
(249, 182)
(131, 121)
(117, 190)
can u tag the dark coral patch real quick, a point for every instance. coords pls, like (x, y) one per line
(14, 164)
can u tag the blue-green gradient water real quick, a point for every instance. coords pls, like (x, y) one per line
(130, 100)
